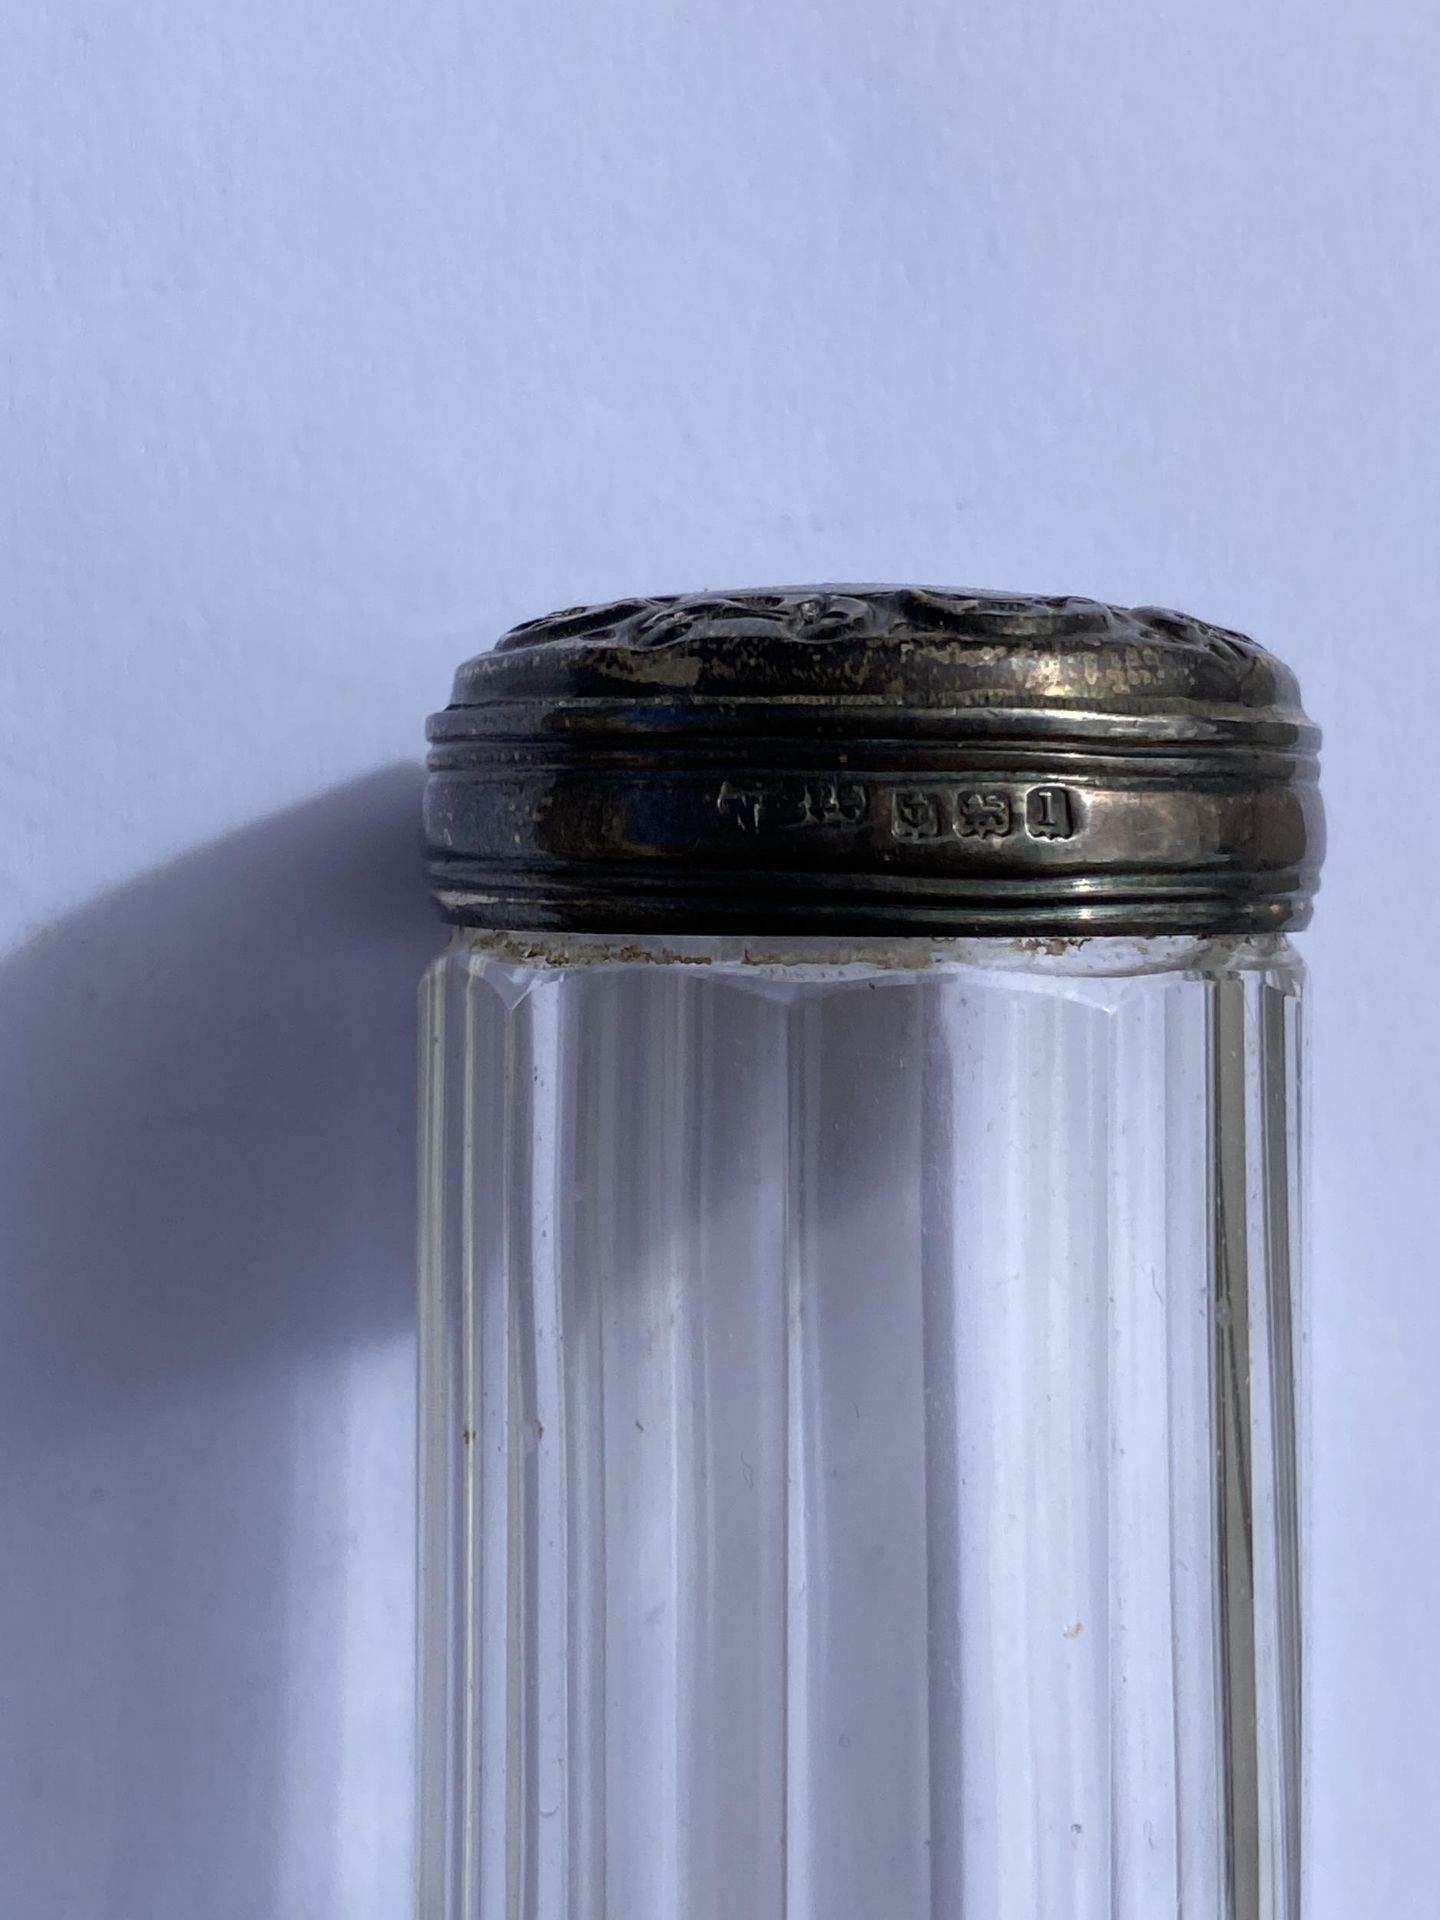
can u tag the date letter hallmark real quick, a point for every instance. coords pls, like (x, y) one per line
(982, 816)
(915, 815)
(791, 807)
(1048, 813)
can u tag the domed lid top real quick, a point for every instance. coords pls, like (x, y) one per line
(900, 646)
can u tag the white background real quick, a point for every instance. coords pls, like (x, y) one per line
(339, 334)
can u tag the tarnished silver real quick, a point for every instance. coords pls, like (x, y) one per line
(874, 760)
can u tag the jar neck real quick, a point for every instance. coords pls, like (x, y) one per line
(1099, 957)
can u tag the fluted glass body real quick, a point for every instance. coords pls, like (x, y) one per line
(859, 1431)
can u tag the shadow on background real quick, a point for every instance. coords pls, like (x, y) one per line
(206, 1212)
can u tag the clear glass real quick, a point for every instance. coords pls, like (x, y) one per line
(859, 1430)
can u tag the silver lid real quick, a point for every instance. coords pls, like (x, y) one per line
(874, 760)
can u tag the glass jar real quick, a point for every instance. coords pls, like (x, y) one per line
(860, 1240)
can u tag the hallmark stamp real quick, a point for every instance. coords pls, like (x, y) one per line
(742, 806)
(791, 806)
(915, 814)
(830, 803)
(1048, 813)
(983, 816)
